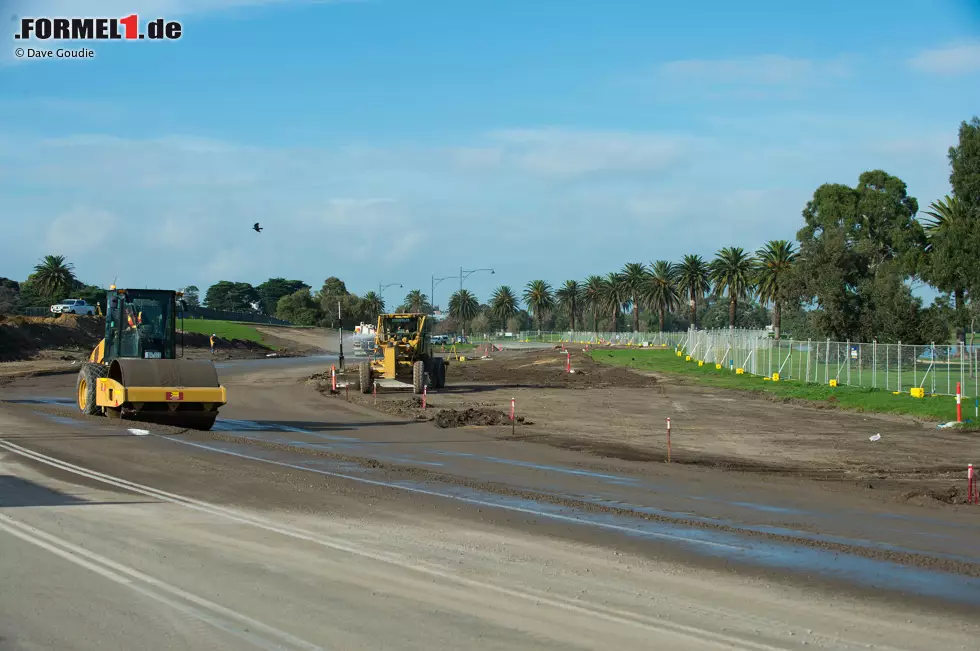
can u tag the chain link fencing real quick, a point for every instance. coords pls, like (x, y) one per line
(657, 339)
(935, 368)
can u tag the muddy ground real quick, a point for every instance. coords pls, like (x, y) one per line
(615, 412)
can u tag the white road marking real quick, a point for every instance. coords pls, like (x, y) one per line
(592, 610)
(240, 625)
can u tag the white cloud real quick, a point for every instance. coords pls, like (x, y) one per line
(565, 153)
(959, 59)
(80, 228)
(764, 70)
(771, 77)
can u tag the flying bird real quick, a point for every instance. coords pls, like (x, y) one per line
(257, 228)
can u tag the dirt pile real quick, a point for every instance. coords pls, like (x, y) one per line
(23, 337)
(544, 369)
(411, 408)
(474, 416)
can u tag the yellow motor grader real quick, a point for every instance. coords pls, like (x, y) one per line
(403, 355)
(135, 371)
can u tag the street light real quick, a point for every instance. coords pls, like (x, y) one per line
(436, 281)
(466, 273)
(382, 288)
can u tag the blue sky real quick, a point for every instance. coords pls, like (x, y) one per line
(388, 140)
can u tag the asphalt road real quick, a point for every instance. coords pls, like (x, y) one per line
(307, 523)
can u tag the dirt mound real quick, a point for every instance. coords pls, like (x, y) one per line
(545, 369)
(930, 496)
(23, 337)
(411, 408)
(473, 416)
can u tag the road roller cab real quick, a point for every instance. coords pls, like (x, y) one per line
(137, 370)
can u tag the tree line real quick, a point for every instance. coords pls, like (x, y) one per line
(849, 276)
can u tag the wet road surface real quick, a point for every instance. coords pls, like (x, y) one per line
(760, 536)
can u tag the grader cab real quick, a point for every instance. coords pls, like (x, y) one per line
(403, 355)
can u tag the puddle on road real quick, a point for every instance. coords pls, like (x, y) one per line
(605, 478)
(766, 529)
(777, 555)
(720, 544)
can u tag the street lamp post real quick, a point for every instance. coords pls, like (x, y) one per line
(466, 273)
(340, 337)
(436, 281)
(382, 288)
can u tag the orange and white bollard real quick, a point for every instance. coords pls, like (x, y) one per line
(424, 389)
(959, 405)
(374, 392)
(512, 409)
(971, 486)
(333, 379)
(668, 440)
(568, 361)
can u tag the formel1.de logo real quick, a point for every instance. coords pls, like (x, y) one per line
(97, 29)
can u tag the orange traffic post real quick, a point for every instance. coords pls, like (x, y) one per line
(959, 405)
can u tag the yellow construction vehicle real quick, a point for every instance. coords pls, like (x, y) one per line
(404, 356)
(135, 371)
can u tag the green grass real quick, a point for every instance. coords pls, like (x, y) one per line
(940, 408)
(224, 329)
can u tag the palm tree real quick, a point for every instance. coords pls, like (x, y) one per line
(635, 277)
(732, 272)
(592, 296)
(943, 215)
(615, 293)
(539, 299)
(374, 304)
(463, 307)
(775, 260)
(950, 217)
(694, 283)
(54, 277)
(504, 304)
(569, 296)
(416, 301)
(661, 291)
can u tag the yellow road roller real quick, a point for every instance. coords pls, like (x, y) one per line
(136, 373)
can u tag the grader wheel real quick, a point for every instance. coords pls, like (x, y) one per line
(418, 376)
(364, 377)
